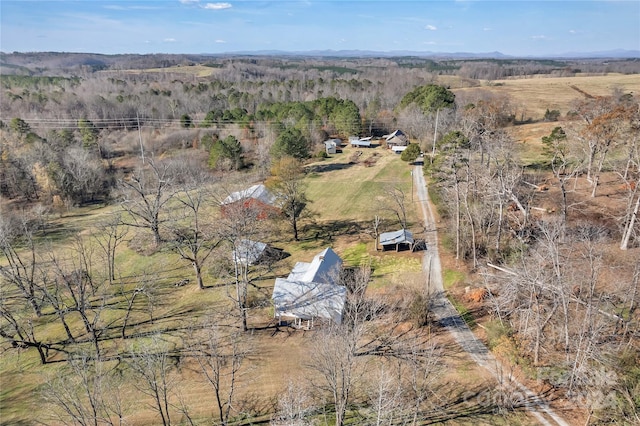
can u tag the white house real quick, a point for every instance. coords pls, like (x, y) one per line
(311, 291)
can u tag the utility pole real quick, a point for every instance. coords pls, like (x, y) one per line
(140, 138)
(435, 136)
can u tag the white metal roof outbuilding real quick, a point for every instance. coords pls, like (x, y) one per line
(248, 252)
(396, 238)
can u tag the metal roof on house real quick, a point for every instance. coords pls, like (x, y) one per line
(402, 236)
(307, 300)
(397, 134)
(311, 290)
(258, 192)
(324, 268)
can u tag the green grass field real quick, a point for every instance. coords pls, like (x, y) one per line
(345, 198)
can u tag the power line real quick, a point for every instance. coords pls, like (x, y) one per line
(149, 123)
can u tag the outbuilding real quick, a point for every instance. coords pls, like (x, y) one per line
(397, 138)
(256, 197)
(397, 240)
(357, 142)
(332, 146)
(248, 252)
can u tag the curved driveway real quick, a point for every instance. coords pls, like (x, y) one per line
(448, 317)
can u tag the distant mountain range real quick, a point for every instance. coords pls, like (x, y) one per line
(613, 54)
(46, 63)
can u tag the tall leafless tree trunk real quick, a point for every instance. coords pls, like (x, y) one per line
(146, 194)
(221, 358)
(152, 368)
(21, 265)
(109, 236)
(397, 204)
(85, 393)
(193, 240)
(288, 185)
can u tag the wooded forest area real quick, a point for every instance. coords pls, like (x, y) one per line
(120, 301)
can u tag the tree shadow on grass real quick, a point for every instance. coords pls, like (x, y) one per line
(479, 404)
(322, 168)
(322, 234)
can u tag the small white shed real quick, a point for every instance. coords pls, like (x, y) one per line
(332, 145)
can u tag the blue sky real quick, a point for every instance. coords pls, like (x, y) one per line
(512, 27)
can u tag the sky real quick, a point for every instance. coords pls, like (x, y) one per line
(512, 27)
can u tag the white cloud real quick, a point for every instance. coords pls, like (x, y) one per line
(487, 29)
(431, 28)
(217, 6)
(169, 40)
(221, 41)
(189, 1)
(539, 37)
(430, 43)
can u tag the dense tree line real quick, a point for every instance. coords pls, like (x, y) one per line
(552, 299)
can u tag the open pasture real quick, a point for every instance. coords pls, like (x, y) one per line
(530, 97)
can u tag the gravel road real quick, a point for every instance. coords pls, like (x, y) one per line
(448, 317)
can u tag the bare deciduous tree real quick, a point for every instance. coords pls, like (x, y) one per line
(288, 186)
(384, 395)
(294, 405)
(21, 265)
(193, 238)
(241, 226)
(334, 355)
(110, 235)
(397, 204)
(74, 277)
(18, 330)
(145, 196)
(221, 358)
(152, 368)
(85, 393)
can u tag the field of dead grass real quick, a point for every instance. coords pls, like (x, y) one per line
(192, 70)
(532, 96)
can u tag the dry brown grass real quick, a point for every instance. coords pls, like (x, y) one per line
(532, 96)
(193, 70)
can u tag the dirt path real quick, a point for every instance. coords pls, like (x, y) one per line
(449, 318)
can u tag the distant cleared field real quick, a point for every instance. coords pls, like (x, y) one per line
(192, 70)
(532, 96)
